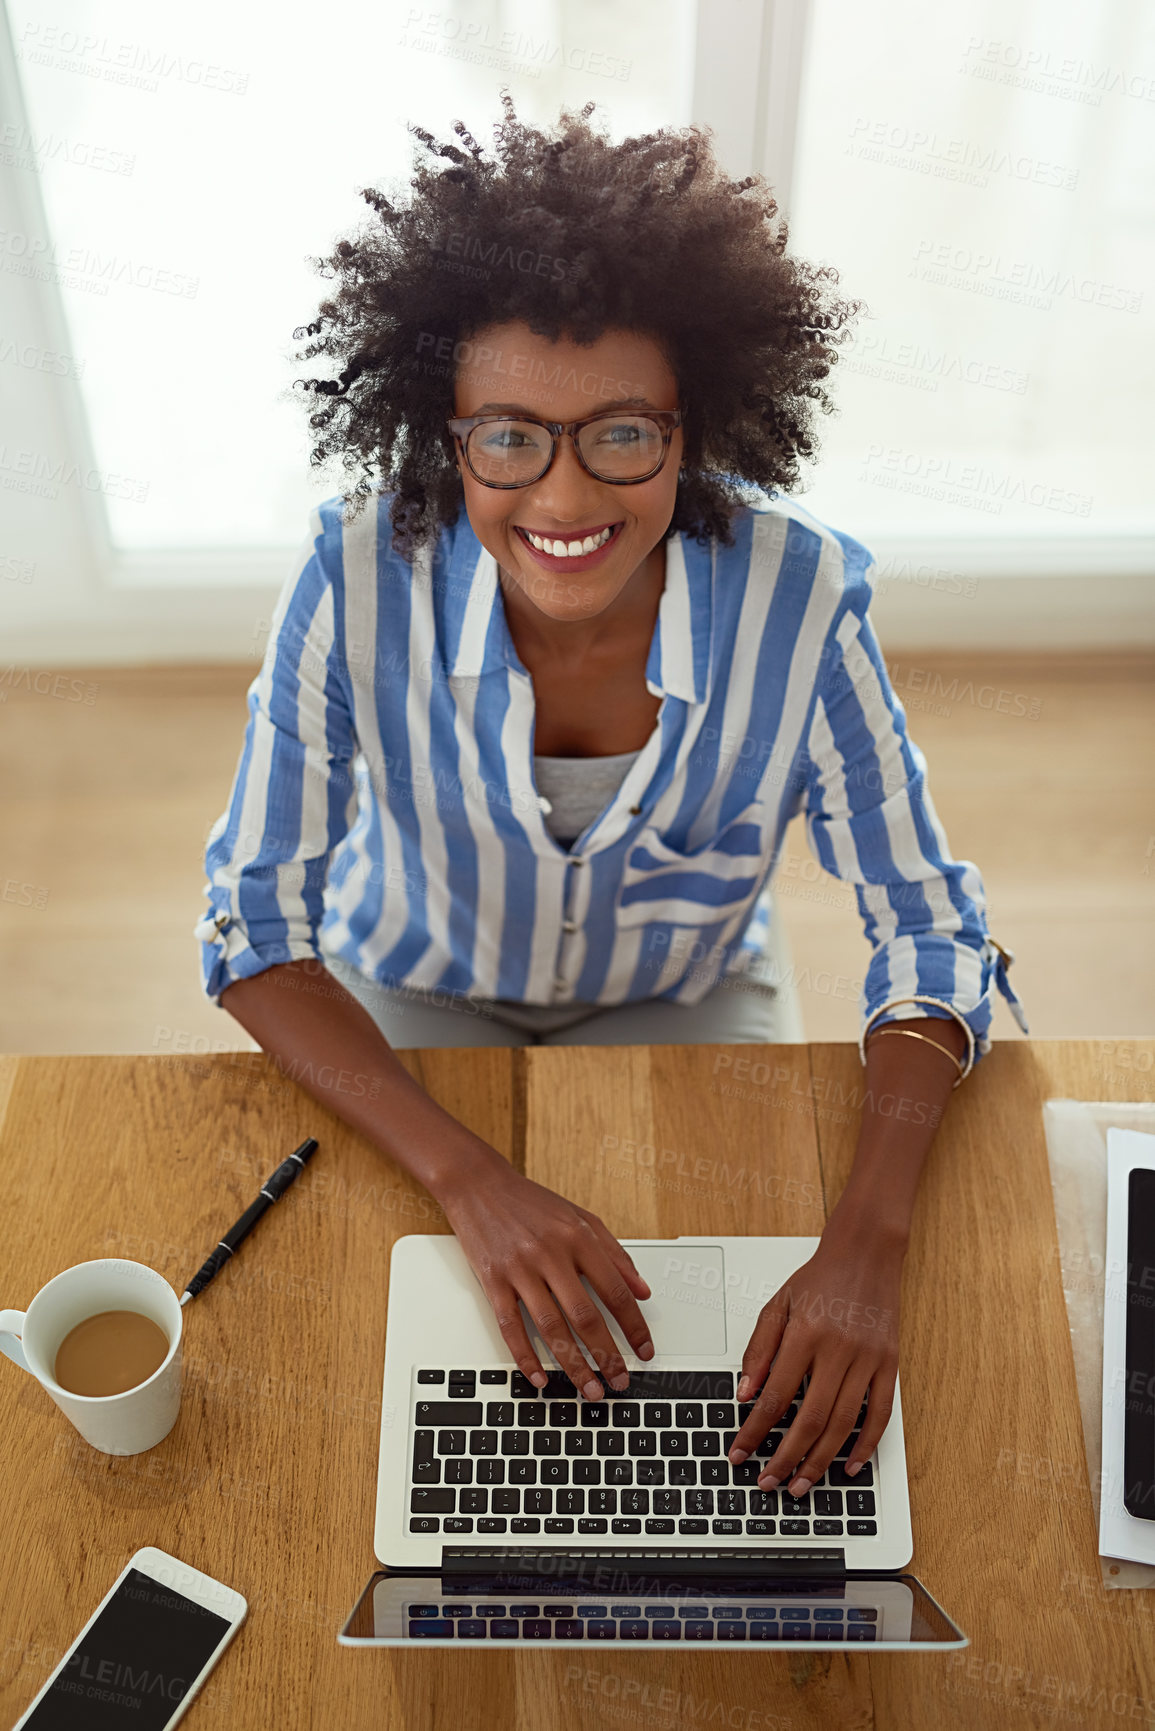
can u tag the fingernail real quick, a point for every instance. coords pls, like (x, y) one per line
(621, 1381)
(538, 1379)
(853, 1469)
(592, 1390)
(646, 1351)
(738, 1456)
(768, 1482)
(743, 1388)
(799, 1488)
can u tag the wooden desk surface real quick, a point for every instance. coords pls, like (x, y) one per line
(268, 1478)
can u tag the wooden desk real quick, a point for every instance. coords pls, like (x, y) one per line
(268, 1478)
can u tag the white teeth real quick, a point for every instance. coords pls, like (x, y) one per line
(569, 549)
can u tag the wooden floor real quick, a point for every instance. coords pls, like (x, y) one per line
(1042, 771)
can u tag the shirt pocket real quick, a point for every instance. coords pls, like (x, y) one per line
(698, 887)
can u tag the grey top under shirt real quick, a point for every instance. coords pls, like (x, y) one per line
(577, 789)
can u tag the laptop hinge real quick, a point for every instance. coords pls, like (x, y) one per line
(495, 1561)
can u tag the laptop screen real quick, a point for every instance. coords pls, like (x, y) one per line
(886, 1612)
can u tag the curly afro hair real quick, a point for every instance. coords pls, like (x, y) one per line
(647, 235)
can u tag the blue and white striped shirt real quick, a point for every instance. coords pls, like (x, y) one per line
(384, 806)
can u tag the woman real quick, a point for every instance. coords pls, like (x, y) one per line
(604, 353)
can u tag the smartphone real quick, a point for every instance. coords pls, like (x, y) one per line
(143, 1654)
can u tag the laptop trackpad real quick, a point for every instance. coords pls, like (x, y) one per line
(686, 1315)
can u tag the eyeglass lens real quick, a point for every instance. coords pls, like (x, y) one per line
(616, 448)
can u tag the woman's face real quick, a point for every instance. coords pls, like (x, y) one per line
(506, 368)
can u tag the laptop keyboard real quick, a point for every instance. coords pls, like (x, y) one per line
(494, 1456)
(559, 1621)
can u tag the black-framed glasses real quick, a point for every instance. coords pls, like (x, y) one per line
(618, 446)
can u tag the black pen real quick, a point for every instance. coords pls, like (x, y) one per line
(271, 1191)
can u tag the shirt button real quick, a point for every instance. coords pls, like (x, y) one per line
(577, 862)
(569, 925)
(635, 811)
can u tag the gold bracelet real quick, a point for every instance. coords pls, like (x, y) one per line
(889, 1028)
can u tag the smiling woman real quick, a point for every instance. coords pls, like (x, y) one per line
(633, 615)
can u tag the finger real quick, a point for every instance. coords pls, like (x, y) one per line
(544, 1307)
(783, 1385)
(755, 1367)
(763, 1344)
(878, 1411)
(610, 1281)
(589, 1327)
(840, 1402)
(509, 1320)
(619, 1255)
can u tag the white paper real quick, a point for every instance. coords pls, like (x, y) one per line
(1120, 1534)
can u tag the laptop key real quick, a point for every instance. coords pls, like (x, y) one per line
(690, 1528)
(727, 1529)
(570, 1502)
(720, 1416)
(760, 1529)
(682, 1472)
(558, 1525)
(430, 1502)
(579, 1443)
(667, 1502)
(425, 1376)
(459, 1472)
(603, 1502)
(635, 1502)
(448, 1412)
(491, 1525)
(537, 1502)
(498, 1413)
(551, 1472)
(827, 1502)
(828, 1529)
(844, 1452)
(515, 1442)
(506, 1502)
(618, 1472)
(659, 1527)
(862, 1529)
(595, 1413)
(731, 1502)
(591, 1525)
(860, 1502)
(523, 1472)
(643, 1442)
(611, 1442)
(704, 1442)
(547, 1442)
(651, 1472)
(520, 1386)
(531, 1412)
(524, 1525)
(688, 1415)
(423, 1449)
(765, 1502)
(657, 1415)
(674, 1444)
(587, 1472)
(622, 1525)
(473, 1502)
(483, 1442)
(699, 1502)
(427, 1472)
(794, 1529)
(837, 1474)
(746, 1474)
(424, 1524)
(494, 1376)
(563, 1414)
(455, 1524)
(714, 1473)
(626, 1414)
(490, 1472)
(795, 1505)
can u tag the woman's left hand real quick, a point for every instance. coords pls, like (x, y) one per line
(836, 1317)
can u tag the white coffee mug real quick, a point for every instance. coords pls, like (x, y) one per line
(117, 1424)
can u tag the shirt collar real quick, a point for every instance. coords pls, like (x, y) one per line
(678, 664)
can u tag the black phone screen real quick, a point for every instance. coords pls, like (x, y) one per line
(135, 1665)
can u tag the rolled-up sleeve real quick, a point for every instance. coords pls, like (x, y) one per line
(872, 822)
(294, 793)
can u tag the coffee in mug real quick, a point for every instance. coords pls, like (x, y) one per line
(110, 1352)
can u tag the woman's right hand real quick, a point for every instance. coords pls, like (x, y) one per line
(526, 1242)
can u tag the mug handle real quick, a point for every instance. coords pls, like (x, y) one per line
(11, 1325)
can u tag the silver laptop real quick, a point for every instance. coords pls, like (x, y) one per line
(506, 1515)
